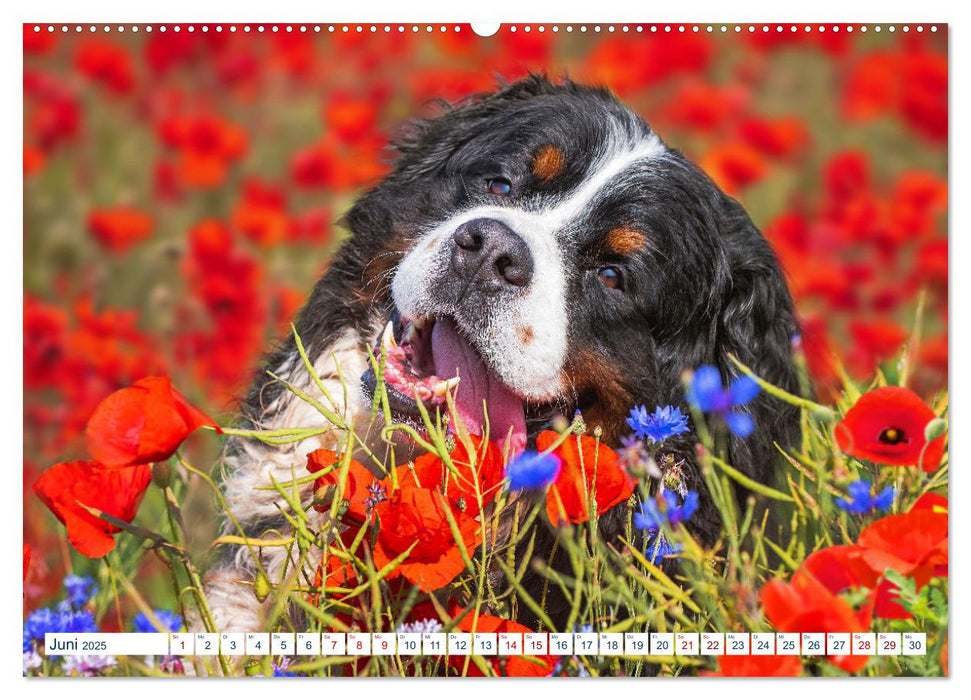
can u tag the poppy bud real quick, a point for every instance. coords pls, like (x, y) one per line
(162, 474)
(261, 587)
(824, 414)
(935, 429)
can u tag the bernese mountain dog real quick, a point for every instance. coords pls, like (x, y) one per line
(540, 251)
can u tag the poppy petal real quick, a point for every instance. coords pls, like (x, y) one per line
(886, 426)
(117, 492)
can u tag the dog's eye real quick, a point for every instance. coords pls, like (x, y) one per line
(611, 277)
(499, 186)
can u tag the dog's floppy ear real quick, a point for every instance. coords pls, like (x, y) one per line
(756, 325)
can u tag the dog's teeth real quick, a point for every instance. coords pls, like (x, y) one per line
(387, 337)
(410, 335)
(443, 385)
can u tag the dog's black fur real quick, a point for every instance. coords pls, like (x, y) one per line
(705, 284)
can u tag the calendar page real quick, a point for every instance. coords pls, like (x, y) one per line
(452, 350)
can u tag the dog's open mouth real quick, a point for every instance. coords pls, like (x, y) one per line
(427, 359)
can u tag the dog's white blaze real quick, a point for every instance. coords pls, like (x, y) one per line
(533, 369)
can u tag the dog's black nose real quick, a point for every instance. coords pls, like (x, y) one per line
(492, 254)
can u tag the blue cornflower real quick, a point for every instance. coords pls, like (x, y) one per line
(652, 517)
(658, 426)
(531, 470)
(37, 623)
(78, 621)
(44, 620)
(169, 620)
(281, 669)
(657, 546)
(706, 393)
(862, 502)
(80, 590)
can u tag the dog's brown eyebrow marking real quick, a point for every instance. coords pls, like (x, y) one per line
(625, 240)
(548, 163)
(525, 334)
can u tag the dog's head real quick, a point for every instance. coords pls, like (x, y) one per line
(545, 246)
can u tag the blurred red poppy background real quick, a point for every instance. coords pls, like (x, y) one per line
(182, 188)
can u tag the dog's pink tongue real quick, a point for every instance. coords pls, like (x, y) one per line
(453, 355)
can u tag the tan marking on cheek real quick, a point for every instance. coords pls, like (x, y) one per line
(589, 372)
(548, 163)
(625, 240)
(525, 334)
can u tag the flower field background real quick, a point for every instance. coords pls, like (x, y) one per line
(180, 198)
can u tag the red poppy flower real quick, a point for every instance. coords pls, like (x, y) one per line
(931, 501)
(314, 166)
(840, 568)
(107, 63)
(165, 51)
(785, 137)
(872, 86)
(230, 285)
(886, 426)
(117, 492)
(918, 199)
(820, 356)
(33, 160)
(757, 667)
(45, 337)
(417, 516)
(585, 469)
(846, 174)
(627, 65)
(931, 264)
(913, 544)
(287, 304)
(806, 605)
(312, 226)
(734, 166)
(923, 94)
(119, 228)
(512, 666)
(356, 484)
(207, 145)
(486, 476)
(706, 107)
(41, 42)
(934, 355)
(54, 112)
(440, 82)
(26, 559)
(143, 423)
(333, 572)
(261, 214)
(350, 117)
